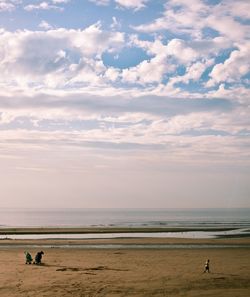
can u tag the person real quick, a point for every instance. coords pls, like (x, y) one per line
(28, 258)
(38, 257)
(206, 266)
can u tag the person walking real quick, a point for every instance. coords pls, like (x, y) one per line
(207, 266)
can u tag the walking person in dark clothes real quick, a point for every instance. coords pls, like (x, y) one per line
(206, 266)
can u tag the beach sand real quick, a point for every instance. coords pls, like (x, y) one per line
(126, 272)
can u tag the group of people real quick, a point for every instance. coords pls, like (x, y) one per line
(38, 258)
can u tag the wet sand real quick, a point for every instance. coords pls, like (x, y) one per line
(126, 272)
(103, 230)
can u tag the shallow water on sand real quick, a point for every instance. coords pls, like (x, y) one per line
(127, 246)
(187, 234)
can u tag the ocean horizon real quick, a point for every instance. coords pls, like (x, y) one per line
(125, 217)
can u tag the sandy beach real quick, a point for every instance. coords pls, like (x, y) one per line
(126, 272)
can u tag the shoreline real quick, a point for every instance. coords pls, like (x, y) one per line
(112, 233)
(103, 230)
(128, 242)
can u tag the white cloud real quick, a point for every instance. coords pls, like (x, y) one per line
(159, 136)
(44, 25)
(239, 8)
(193, 72)
(178, 20)
(181, 51)
(165, 60)
(36, 59)
(132, 4)
(192, 17)
(43, 6)
(184, 51)
(232, 70)
(115, 24)
(112, 119)
(8, 5)
(100, 2)
(228, 27)
(112, 74)
(152, 70)
(234, 93)
(60, 1)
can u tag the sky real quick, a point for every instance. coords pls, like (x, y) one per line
(124, 103)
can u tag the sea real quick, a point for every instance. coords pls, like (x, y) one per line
(106, 217)
(238, 220)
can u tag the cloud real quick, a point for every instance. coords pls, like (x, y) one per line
(181, 127)
(163, 62)
(107, 103)
(44, 6)
(241, 8)
(44, 25)
(54, 57)
(196, 56)
(193, 72)
(115, 24)
(197, 50)
(71, 58)
(8, 5)
(100, 2)
(178, 17)
(182, 137)
(233, 69)
(132, 4)
(113, 122)
(147, 72)
(235, 93)
(60, 1)
(57, 88)
(191, 18)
